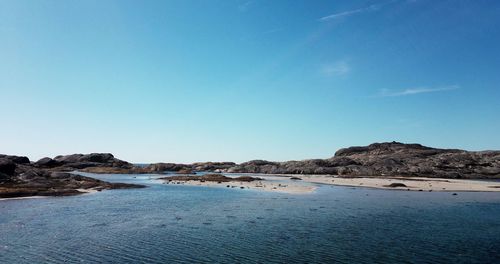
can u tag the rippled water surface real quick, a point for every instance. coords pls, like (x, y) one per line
(191, 224)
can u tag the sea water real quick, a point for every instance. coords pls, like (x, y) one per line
(194, 224)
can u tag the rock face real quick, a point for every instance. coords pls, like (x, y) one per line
(7, 167)
(388, 159)
(47, 177)
(16, 159)
(94, 163)
(81, 161)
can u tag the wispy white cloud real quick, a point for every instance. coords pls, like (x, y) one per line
(418, 90)
(336, 69)
(370, 8)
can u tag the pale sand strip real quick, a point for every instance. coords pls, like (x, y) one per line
(22, 198)
(87, 191)
(412, 183)
(83, 191)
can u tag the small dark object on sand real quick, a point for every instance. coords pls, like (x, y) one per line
(396, 184)
(295, 178)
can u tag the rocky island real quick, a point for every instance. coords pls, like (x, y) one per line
(389, 159)
(50, 177)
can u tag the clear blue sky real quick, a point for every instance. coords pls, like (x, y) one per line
(187, 81)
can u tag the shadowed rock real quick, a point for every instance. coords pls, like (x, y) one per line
(7, 166)
(16, 159)
(211, 178)
(47, 163)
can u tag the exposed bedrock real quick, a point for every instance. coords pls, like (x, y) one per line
(388, 159)
(47, 177)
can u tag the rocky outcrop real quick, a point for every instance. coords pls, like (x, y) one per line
(47, 163)
(188, 168)
(94, 163)
(379, 159)
(82, 161)
(388, 159)
(47, 177)
(16, 159)
(212, 166)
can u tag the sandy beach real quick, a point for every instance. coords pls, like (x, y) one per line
(21, 198)
(307, 184)
(83, 191)
(410, 183)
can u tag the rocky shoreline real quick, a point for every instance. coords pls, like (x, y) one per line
(375, 160)
(51, 176)
(389, 159)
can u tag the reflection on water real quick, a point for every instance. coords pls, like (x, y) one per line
(186, 224)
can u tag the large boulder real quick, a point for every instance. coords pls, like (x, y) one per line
(7, 166)
(163, 167)
(81, 161)
(98, 157)
(47, 163)
(73, 158)
(16, 159)
(93, 157)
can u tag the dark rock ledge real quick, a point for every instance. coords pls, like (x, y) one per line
(50, 177)
(211, 178)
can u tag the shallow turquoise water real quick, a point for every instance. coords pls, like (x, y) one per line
(191, 224)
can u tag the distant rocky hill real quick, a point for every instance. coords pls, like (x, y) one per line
(388, 159)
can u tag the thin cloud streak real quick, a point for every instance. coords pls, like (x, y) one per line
(419, 90)
(348, 13)
(370, 8)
